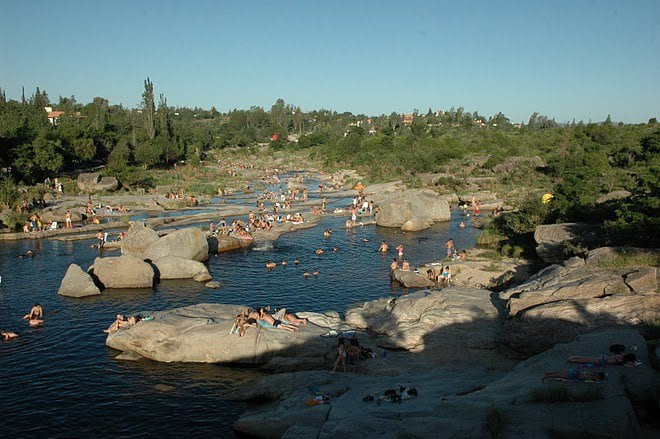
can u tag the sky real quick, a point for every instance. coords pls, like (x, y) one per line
(567, 60)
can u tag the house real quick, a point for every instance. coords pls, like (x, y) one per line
(53, 116)
(407, 119)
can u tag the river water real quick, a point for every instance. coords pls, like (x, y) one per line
(61, 380)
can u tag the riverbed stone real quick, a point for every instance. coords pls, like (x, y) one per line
(92, 182)
(124, 271)
(77, 283)
(410, 279)
(175, 267)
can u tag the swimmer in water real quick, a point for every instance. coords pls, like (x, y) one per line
(270, 265)
(306, 274)
(36, 315)
(316, 272)
(7, 335)
(319, 251)
(383, 247)
(283, 263)
(295, 261)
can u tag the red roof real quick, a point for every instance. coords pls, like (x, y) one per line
(55, 114)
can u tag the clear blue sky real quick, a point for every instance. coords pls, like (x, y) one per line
(564, 59)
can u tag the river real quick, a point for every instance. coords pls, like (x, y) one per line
(61, 380)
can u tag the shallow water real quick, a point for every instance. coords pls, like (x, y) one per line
(61, 380)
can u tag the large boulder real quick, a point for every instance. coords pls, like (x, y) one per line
(94, 182)
(552, 239)
(138, 238)
(420, 206)
(200, 334)
(175, 267)
(219, 244)
(124, 271)
(77, 283)
(428, 319)
(189, 243)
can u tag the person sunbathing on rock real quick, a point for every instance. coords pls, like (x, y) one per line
(266, 319)
(577, 375)
(628, 360)
(122, 322)
(283, 315)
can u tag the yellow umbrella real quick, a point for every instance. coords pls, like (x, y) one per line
(359, 187)
(546, 198)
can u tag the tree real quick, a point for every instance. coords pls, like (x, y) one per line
(148, 153)
(149, 108)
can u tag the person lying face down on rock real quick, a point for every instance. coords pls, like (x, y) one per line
(266, 319)
(577, 375)
(628, 360)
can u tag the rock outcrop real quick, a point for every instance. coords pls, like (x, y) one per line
(93, 182)
(124, 271)
(417, 209)
(428, 319)
(552, 239)
(200, 333)
(219, 244)
(77, 283)
(457, 400)
(565, 300)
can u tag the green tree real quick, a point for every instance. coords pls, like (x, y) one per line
(149, 109)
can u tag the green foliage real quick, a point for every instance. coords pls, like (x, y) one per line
(8, 192)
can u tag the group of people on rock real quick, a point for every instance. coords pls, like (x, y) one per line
(261, 316)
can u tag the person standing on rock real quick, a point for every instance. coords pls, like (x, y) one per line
(341, 355)
(449, 245)
(67, 219)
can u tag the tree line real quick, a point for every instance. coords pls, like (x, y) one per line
(583, 160)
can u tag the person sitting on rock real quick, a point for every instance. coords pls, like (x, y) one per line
(353, 355)
(122, 322)
(36, 315)
(628, 360)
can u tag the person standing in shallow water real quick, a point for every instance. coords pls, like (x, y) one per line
(393, 266)
(449, 245)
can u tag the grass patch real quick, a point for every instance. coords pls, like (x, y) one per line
(489, 239)
(555, 394)
(627, 260)
(493, 266)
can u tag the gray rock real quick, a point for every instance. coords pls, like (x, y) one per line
(202, 277)
(606, 255)
(138, 238)
(200, 333)
(175, 267)
(551, 239)
(424, 206)
(219, 244)
(77, 283)
(212, 284)
(424, 319)
(410, 279)
(124, 271)
(189, 243)
(614, 195)
(93, 182)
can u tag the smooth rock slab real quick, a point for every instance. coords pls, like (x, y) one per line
(175, 267)
(200, 334)
(77, 283)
